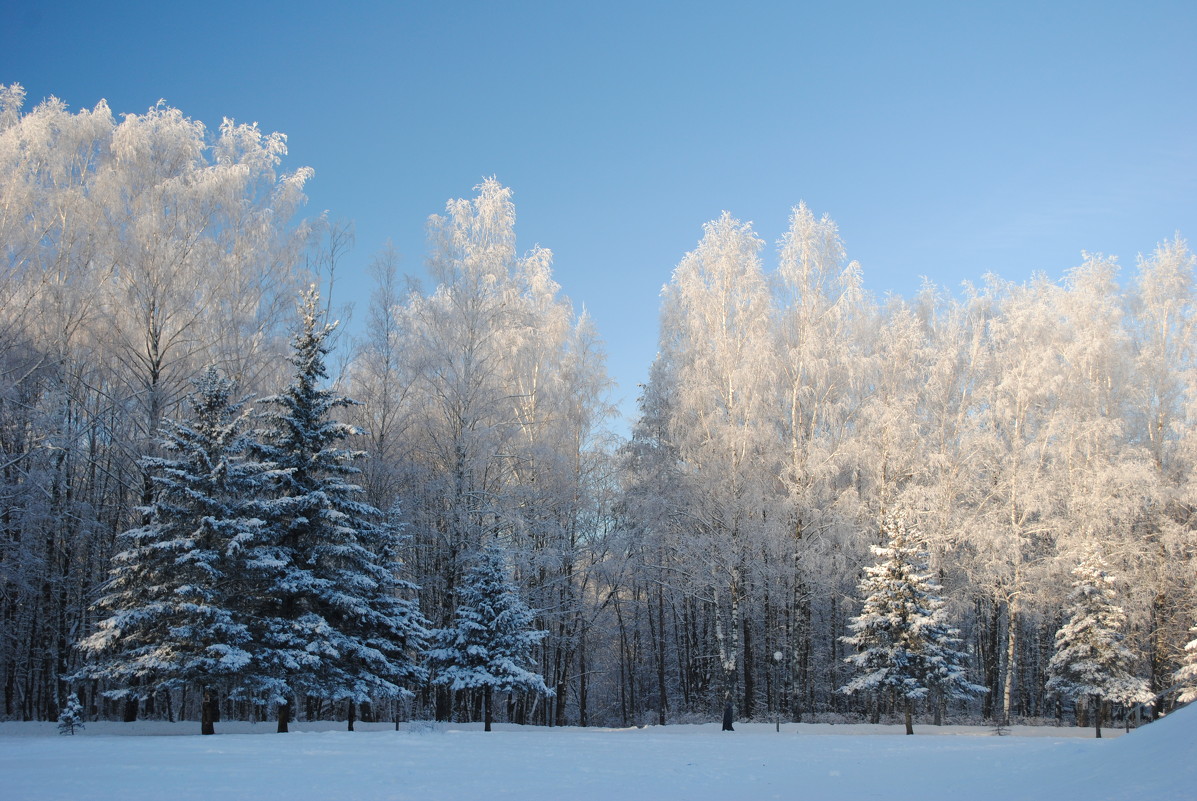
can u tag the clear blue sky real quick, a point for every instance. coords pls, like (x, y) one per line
(948, 140)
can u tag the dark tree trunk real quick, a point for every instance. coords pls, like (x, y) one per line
(988, 627)
(727, 716)
(444, 703)
(352, 709)
(909, 716)
(208, 712)
(284, 716)
(488, 698)
(562, 692)
(1097, 710)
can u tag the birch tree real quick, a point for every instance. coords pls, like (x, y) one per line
(715, 334)
(504, 412)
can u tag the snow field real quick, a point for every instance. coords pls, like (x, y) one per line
(451, 761)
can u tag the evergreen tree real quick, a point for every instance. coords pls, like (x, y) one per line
(175, 600)
(1186, 676)
(71, 717)
(905, 649)
(1091, 664)
(490, 644)
(333, 619)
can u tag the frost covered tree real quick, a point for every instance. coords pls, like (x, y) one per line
(71, 717)
(905, 649)
(332, 614)
(176, 604)
(820, 311)
(489, 647)
(499, 432)
(715, 351)
(135, 249)
(1091, 663)
(1186, 676)
(1164, 333)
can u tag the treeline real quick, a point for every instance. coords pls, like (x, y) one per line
(715, 555)
(1018, 427)
(135, 254)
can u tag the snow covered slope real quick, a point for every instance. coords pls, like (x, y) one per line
(1155, 762)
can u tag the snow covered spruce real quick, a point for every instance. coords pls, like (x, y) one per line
(1186, 675)
(906, 650)
(180, 599)
(258, 574)
(332, 619)
(489, 647)
(1092, 665)
(71, 717)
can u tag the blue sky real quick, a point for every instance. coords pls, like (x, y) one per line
(948, 140)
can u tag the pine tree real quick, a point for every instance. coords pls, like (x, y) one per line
(490, 644)
(175, 602)
(334, 621)
(905, 649)
(1091, 664)
(71, 717)
(1186, 676)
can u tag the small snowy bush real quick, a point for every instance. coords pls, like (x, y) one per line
(72, 716)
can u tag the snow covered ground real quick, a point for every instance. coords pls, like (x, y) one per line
(444, 761)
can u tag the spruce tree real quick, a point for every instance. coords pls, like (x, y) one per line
(905, 649)
(489, 647)
(1091, 663)
(71, 717)
(332, 617)
(176, 599)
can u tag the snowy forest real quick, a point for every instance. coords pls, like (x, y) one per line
(216, 503)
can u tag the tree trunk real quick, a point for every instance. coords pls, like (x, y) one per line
(131, 704)
(1011, 656)
(988, 646)
(623, 666)
(582, 681)
(736, 623)
(662, 696)
(207, 712)
(749, 683)
(444, 703)
(727, 716)
(352, 709)
(487, 704)
(284, 716)
(727, 654)
(1097, 710)
(909, 716)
